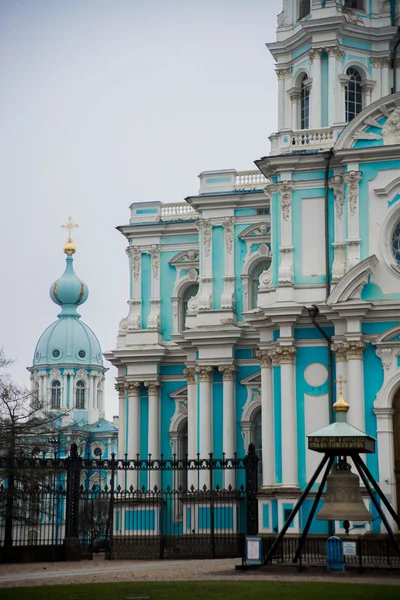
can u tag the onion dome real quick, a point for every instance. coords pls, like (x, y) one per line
(69, 291)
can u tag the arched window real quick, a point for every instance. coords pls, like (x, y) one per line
(182, 449)
(56, 394)
(304, 8)
(187, 295)
(256, 439)
(259, 268)
(80, 395)
(304, 103)
(353, 93)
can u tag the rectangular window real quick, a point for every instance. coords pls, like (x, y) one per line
(263, 211)
(355, 4)
(304, 8)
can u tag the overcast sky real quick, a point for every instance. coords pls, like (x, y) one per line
(108, 102)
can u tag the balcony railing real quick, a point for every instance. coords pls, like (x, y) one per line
(250, 179)
(304, 139)
(181, 210)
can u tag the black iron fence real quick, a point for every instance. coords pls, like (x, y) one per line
(128, 508)
(369, 551)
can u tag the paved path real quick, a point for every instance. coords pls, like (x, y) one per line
(100, 571)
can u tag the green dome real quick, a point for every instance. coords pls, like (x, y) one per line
(69, 291)
(68, 341)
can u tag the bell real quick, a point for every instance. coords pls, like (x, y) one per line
(343, 499)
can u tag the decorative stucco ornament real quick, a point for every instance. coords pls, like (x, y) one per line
(391, 129)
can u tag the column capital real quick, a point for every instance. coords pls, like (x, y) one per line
(152, 386)
(228, 372)
(340, 352)
(315, 53)
(134, 388)
(265, 357)
(205, 373)
(335, 51)
(121, 389)
(286, 355)
(284, 73)
(190, 374)
(354, 350)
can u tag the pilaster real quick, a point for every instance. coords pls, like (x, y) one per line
(355, 382)
(315, 56)
(135, 302)
(229, 419)
(285, 356)
(228, 295)
(122, 390)
(153, 388)
(267, 418)
(352, 179)
(206, 278)
(153, 321)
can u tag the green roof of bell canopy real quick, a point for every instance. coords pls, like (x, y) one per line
(68, 340)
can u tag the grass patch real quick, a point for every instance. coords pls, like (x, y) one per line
(239, 590)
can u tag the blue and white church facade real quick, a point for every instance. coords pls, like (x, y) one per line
(68, 373)
(218, 348)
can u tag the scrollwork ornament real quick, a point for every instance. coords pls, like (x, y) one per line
(206, 229)
(352, 179)
(354, 350)
(135, 255)
(286, 355)
(336, 183)
(285, 188)
(190, 374)
(386, 356)
(205, 373)
(264, 356)
(229, 229)
(155, 259)
(228, 372)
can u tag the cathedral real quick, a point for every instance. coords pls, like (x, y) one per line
(67, 375)
(249, 301)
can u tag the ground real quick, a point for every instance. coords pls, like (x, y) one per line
(209, 579)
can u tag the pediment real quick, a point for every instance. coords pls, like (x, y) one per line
(179, 394)
(258, 232)
(185, 258)
(352, 284)
(376, 125)
(252, 380)
(389, 337)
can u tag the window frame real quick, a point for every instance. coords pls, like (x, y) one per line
(304, 116)
(347, 7)
(80, 388)
(303, 9)
(353, 86)
(55, 394)
(254, 267)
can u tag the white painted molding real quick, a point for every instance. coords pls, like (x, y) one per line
(352, 284)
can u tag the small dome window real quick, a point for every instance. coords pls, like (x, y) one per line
(396, 243)
(56, 353)
(56, 394)
(81, 354)
(37, 356)
(80, 395)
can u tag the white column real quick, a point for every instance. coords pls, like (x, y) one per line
(190, 374)
(287, 356)
(121, 389)
(341, 369)
(206, 278)
(228, 294)
(355, 383)
(386, 85)
(341, 100)
(281, 102)
(40, 399)
(352, 179)
(102, 404)
(267, 419)
(315, 104)
(205, 417)
(46, 391)
(153, 321)
(71, 390)
(385, 449)
(154, 429)
(339, 246)
(334, 87)
(133, 428)
(295, 97)
(228, 420)
(64, 391)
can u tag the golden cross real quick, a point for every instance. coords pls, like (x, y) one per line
(70, 226)
(340, 381)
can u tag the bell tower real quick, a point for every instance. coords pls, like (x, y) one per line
(332, 60)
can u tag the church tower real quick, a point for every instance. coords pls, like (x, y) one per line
(333, 59)
(68, 372)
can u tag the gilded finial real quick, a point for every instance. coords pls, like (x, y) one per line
(69, 247)
(341, 405)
